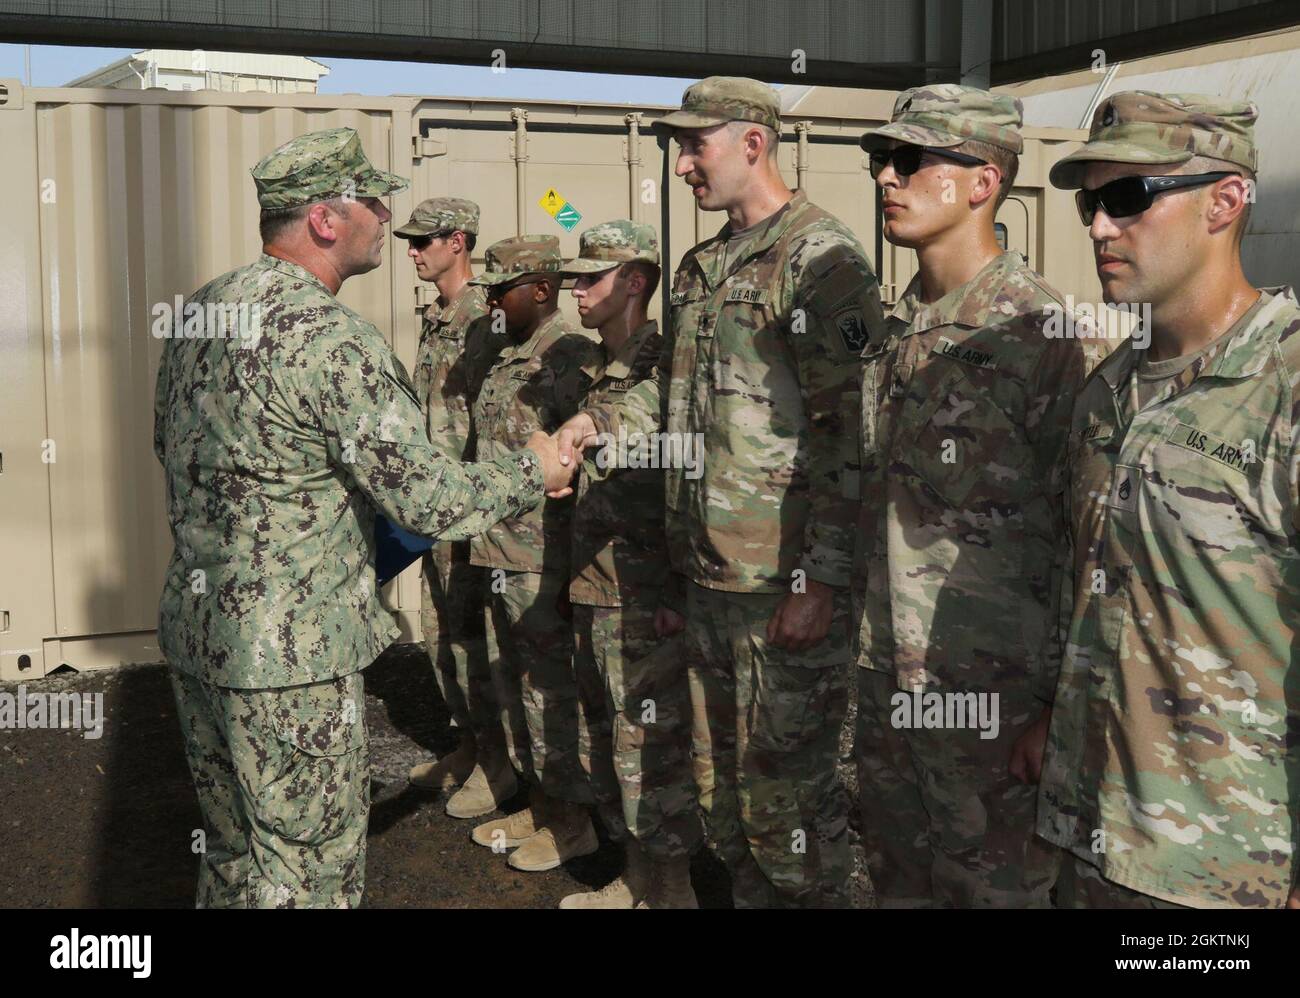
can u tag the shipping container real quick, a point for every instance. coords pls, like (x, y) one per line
(121, 200)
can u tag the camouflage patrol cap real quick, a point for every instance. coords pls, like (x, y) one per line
(613, 243)
(319, 166)
(438, 216)
(520, 255)
(948, 114)
(1145, 128)
(720, 99)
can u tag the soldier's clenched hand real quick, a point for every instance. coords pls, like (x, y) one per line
(668, 622)
(1027, 753)
(556, 475)
(801, 620)
(578, 433)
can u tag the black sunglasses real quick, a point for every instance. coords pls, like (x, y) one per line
(495, 292)
(1133, 195)
(420, 242)
(907, 159)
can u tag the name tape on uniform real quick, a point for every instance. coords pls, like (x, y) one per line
(967, 355)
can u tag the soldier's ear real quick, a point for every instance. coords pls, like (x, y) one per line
(321, 220)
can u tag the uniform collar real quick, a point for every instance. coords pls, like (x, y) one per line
(621, 364)
(766, 233)
(467, 297)
(1241, 355)
(551, 329)
(959, 307)
(292, 270)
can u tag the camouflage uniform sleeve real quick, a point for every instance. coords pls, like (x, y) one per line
(571, 383)
(375, 434)
(673, 593)
(1051, 394)
(840, 302)
(160, 405)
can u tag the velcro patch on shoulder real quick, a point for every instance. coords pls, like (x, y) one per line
(1239, 457)
(967, 355)
(852, 328)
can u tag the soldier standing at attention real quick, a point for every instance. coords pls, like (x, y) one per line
(1172, 764)
(457, 346)
(535, 384)
(277, 449)
(966, 410)
(758, 384)
(631, 683)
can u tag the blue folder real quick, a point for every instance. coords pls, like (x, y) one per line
(395, 548)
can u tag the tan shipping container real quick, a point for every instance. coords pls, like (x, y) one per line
(120, 200)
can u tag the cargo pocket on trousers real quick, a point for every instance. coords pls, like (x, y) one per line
(322, 782)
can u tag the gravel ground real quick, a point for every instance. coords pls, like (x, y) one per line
(108, 822)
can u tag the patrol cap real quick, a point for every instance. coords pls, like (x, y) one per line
(611, 244)
(319, 166)
(719, 99)
(437, 216)
(519, 255)
(1146, 128)
(948, 114)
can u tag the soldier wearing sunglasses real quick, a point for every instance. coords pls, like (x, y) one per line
(966, 406)
(535, 383)
(1170, 770)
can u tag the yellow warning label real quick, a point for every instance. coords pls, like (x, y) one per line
(552, 201)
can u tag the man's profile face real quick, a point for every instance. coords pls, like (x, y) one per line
(433, 259)
(361, 234)
(600, 297)
(923, 205)
(1148, 257)
(712, 161)
(518, 302)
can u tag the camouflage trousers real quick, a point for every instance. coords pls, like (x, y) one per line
(944, 823)
(636, 709)
(452, 619)
(766, 729)
(1081, 885)
(283, 781)
(530, 652)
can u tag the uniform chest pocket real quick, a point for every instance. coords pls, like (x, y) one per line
(959, 440)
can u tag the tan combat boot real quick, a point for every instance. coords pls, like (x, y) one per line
(514, 829)
(566, 835)
(670, 885)
(483, 793)
(624, 892)
(450, 771)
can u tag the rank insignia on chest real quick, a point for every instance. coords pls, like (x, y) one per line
(853, 331)
(1124, 487)
(967, 355)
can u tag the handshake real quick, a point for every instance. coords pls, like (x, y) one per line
(561, 453)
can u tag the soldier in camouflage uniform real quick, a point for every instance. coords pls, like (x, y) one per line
(457, 346)
(631, 682)
(757, 386)
(966, 409)
(277, 448)
(1172, 764)
(535, 384)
